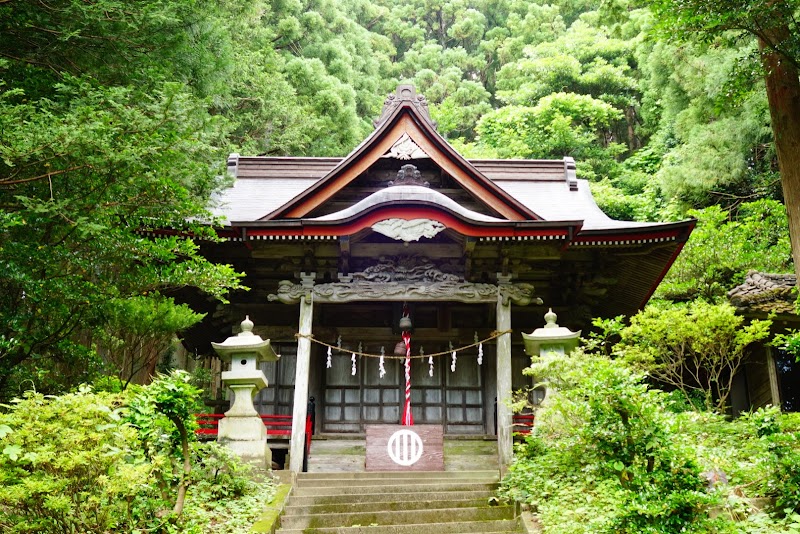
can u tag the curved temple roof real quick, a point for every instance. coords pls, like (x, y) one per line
(264, 185)
(405, 186)
(407, 193)
(293, 189)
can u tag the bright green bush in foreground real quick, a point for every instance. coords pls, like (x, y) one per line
(608, 455)
(603, 457)
(76, 463)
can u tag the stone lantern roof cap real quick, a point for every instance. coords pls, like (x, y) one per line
(246, 342)
(550, 334)
(551, 330)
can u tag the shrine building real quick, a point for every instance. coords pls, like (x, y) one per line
(336, 251)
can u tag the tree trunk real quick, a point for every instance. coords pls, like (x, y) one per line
(783, 93)
(187, 466)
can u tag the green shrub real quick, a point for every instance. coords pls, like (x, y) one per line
(697, 348)
(103, 462)
(70, 464)
(604, 456)
(781, 437)
(163, 413)
(759, 457)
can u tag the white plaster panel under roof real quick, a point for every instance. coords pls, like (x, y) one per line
(407, 193)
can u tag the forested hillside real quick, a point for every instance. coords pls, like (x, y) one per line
(116, 116)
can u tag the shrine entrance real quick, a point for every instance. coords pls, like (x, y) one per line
(331, 247)
(451, 397)
(454, 403)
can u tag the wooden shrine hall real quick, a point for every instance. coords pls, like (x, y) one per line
(336, 251)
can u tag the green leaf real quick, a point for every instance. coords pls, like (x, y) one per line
(13, 452)
(5, 430)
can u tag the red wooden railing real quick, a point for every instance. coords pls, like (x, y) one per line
(522, 423)
(278, 426)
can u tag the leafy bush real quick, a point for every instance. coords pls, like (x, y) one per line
(696, 348)
(724, 246)
(757, 456)
(106, 462)
(223, 498)
(603, 456)
(782, 440)
(164, 415)
(70, 464)
(608, 454)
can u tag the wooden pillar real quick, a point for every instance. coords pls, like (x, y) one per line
(297, 444)
(772, 370)
(504, 445)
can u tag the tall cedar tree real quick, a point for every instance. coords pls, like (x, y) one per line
(774, 24)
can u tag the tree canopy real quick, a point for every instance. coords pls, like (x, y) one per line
(115, 119)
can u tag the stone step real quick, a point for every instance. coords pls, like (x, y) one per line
(365, 475)
(397, 517)
(462, 527)
(387, 505)
(412, 502)
(391, 480)
(314, 500)
(359, 488)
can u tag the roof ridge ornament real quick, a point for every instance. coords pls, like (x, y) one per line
(408, 175)
(404, 93)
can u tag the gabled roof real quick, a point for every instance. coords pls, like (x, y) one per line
(404, 118)
(547, 188)
(514, 198)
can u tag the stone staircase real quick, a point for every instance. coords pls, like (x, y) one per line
(397, 503)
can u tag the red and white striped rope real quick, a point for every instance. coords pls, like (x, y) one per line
(408, 418)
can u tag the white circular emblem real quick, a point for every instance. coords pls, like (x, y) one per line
(405, 447)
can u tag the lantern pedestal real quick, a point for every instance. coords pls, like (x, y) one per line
(242, 430)
(245, 435)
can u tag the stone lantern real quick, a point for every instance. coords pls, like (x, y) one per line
(550, 341)
(242, 429)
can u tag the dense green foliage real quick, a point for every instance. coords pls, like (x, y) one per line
(603, 456)
(697, 349)
(115, 118)
(100, 462)
(611, 454)
(724, 246)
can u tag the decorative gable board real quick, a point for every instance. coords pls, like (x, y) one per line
(404, 133)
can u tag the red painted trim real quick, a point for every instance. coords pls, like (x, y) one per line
(277, 425)
(366, 220)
